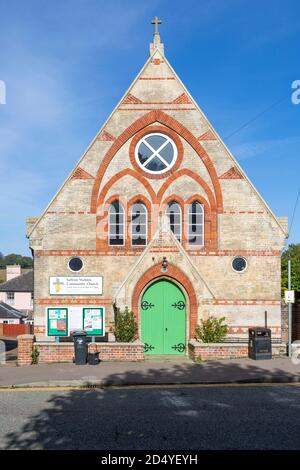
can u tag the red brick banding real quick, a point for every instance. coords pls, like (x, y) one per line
(176, 274)
(258, 253)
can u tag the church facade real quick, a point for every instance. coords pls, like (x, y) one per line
(159, 217)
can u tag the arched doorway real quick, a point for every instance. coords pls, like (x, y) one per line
(163, 318)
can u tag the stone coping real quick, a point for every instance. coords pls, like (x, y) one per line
(25, 337)
(65, 344)
(196, 343)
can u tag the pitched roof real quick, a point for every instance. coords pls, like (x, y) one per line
(6, 311)
(22, 283)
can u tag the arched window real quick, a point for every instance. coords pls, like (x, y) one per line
(139, 224)
(196, 224)
(174, 214)
(116, 224)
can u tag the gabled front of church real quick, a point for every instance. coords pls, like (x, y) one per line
(157, 216)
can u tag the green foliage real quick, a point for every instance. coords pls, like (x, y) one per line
(212, 330)
(125, 326)
(292, 253)
(23, 261)
(35, 356)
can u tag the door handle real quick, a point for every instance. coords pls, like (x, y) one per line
(166, 329)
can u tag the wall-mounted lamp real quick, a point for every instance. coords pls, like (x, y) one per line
(164, 265)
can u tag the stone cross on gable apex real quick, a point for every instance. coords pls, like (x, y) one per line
(156, 44)
(156, 21)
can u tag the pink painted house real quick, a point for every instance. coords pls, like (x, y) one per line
(17, 290)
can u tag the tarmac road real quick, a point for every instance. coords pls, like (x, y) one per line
(159, 417)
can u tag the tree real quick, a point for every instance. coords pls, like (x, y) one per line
(292, 253)
(13, 258)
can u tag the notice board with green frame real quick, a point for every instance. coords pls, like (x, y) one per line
(57, 321)
(93, 321)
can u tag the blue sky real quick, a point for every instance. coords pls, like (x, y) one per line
(66, 64)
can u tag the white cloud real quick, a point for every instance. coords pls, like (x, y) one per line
(253, 149)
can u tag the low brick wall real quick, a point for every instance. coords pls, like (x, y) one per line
(119, 351)
(64, 352)
(55, 352)
(207, 351)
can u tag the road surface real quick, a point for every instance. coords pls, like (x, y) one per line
(147, 418)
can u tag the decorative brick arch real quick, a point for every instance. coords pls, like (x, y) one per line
(175, 274)
(191, 174)
(121, 174)
(172, 123)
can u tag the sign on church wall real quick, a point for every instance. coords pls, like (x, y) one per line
(63, 321)
(76, 285)
(57, 321)
(93, 321)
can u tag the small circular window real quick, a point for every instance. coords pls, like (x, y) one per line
(156, 153)
(75, 264)
(239, 264)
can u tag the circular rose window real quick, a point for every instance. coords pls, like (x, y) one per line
(156, 153)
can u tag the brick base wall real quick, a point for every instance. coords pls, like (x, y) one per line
(207, 351)
(119, 351)
(64, 352)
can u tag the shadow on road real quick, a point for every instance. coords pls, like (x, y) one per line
(162, 418)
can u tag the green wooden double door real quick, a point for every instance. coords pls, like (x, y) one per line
(163, 319)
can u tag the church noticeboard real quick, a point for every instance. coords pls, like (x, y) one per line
(57, 321)
(76, 285)
(93, 321)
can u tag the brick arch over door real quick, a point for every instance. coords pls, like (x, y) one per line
(172, 123)
(175, 274)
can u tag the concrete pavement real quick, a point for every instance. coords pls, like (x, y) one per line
(280, 370)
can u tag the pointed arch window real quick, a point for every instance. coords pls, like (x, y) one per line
(175, 218)
(196, 224)
(116, 224)
(139, 220)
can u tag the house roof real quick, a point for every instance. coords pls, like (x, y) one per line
(6, 311)
(22, 283)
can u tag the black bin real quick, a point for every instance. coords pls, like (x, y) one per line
(260, 346)
(93, 358)
(80, 347)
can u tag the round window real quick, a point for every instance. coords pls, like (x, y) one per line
(75, 264)
(239, 264)
(156, 153)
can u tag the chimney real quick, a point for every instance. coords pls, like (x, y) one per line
(13, 271)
